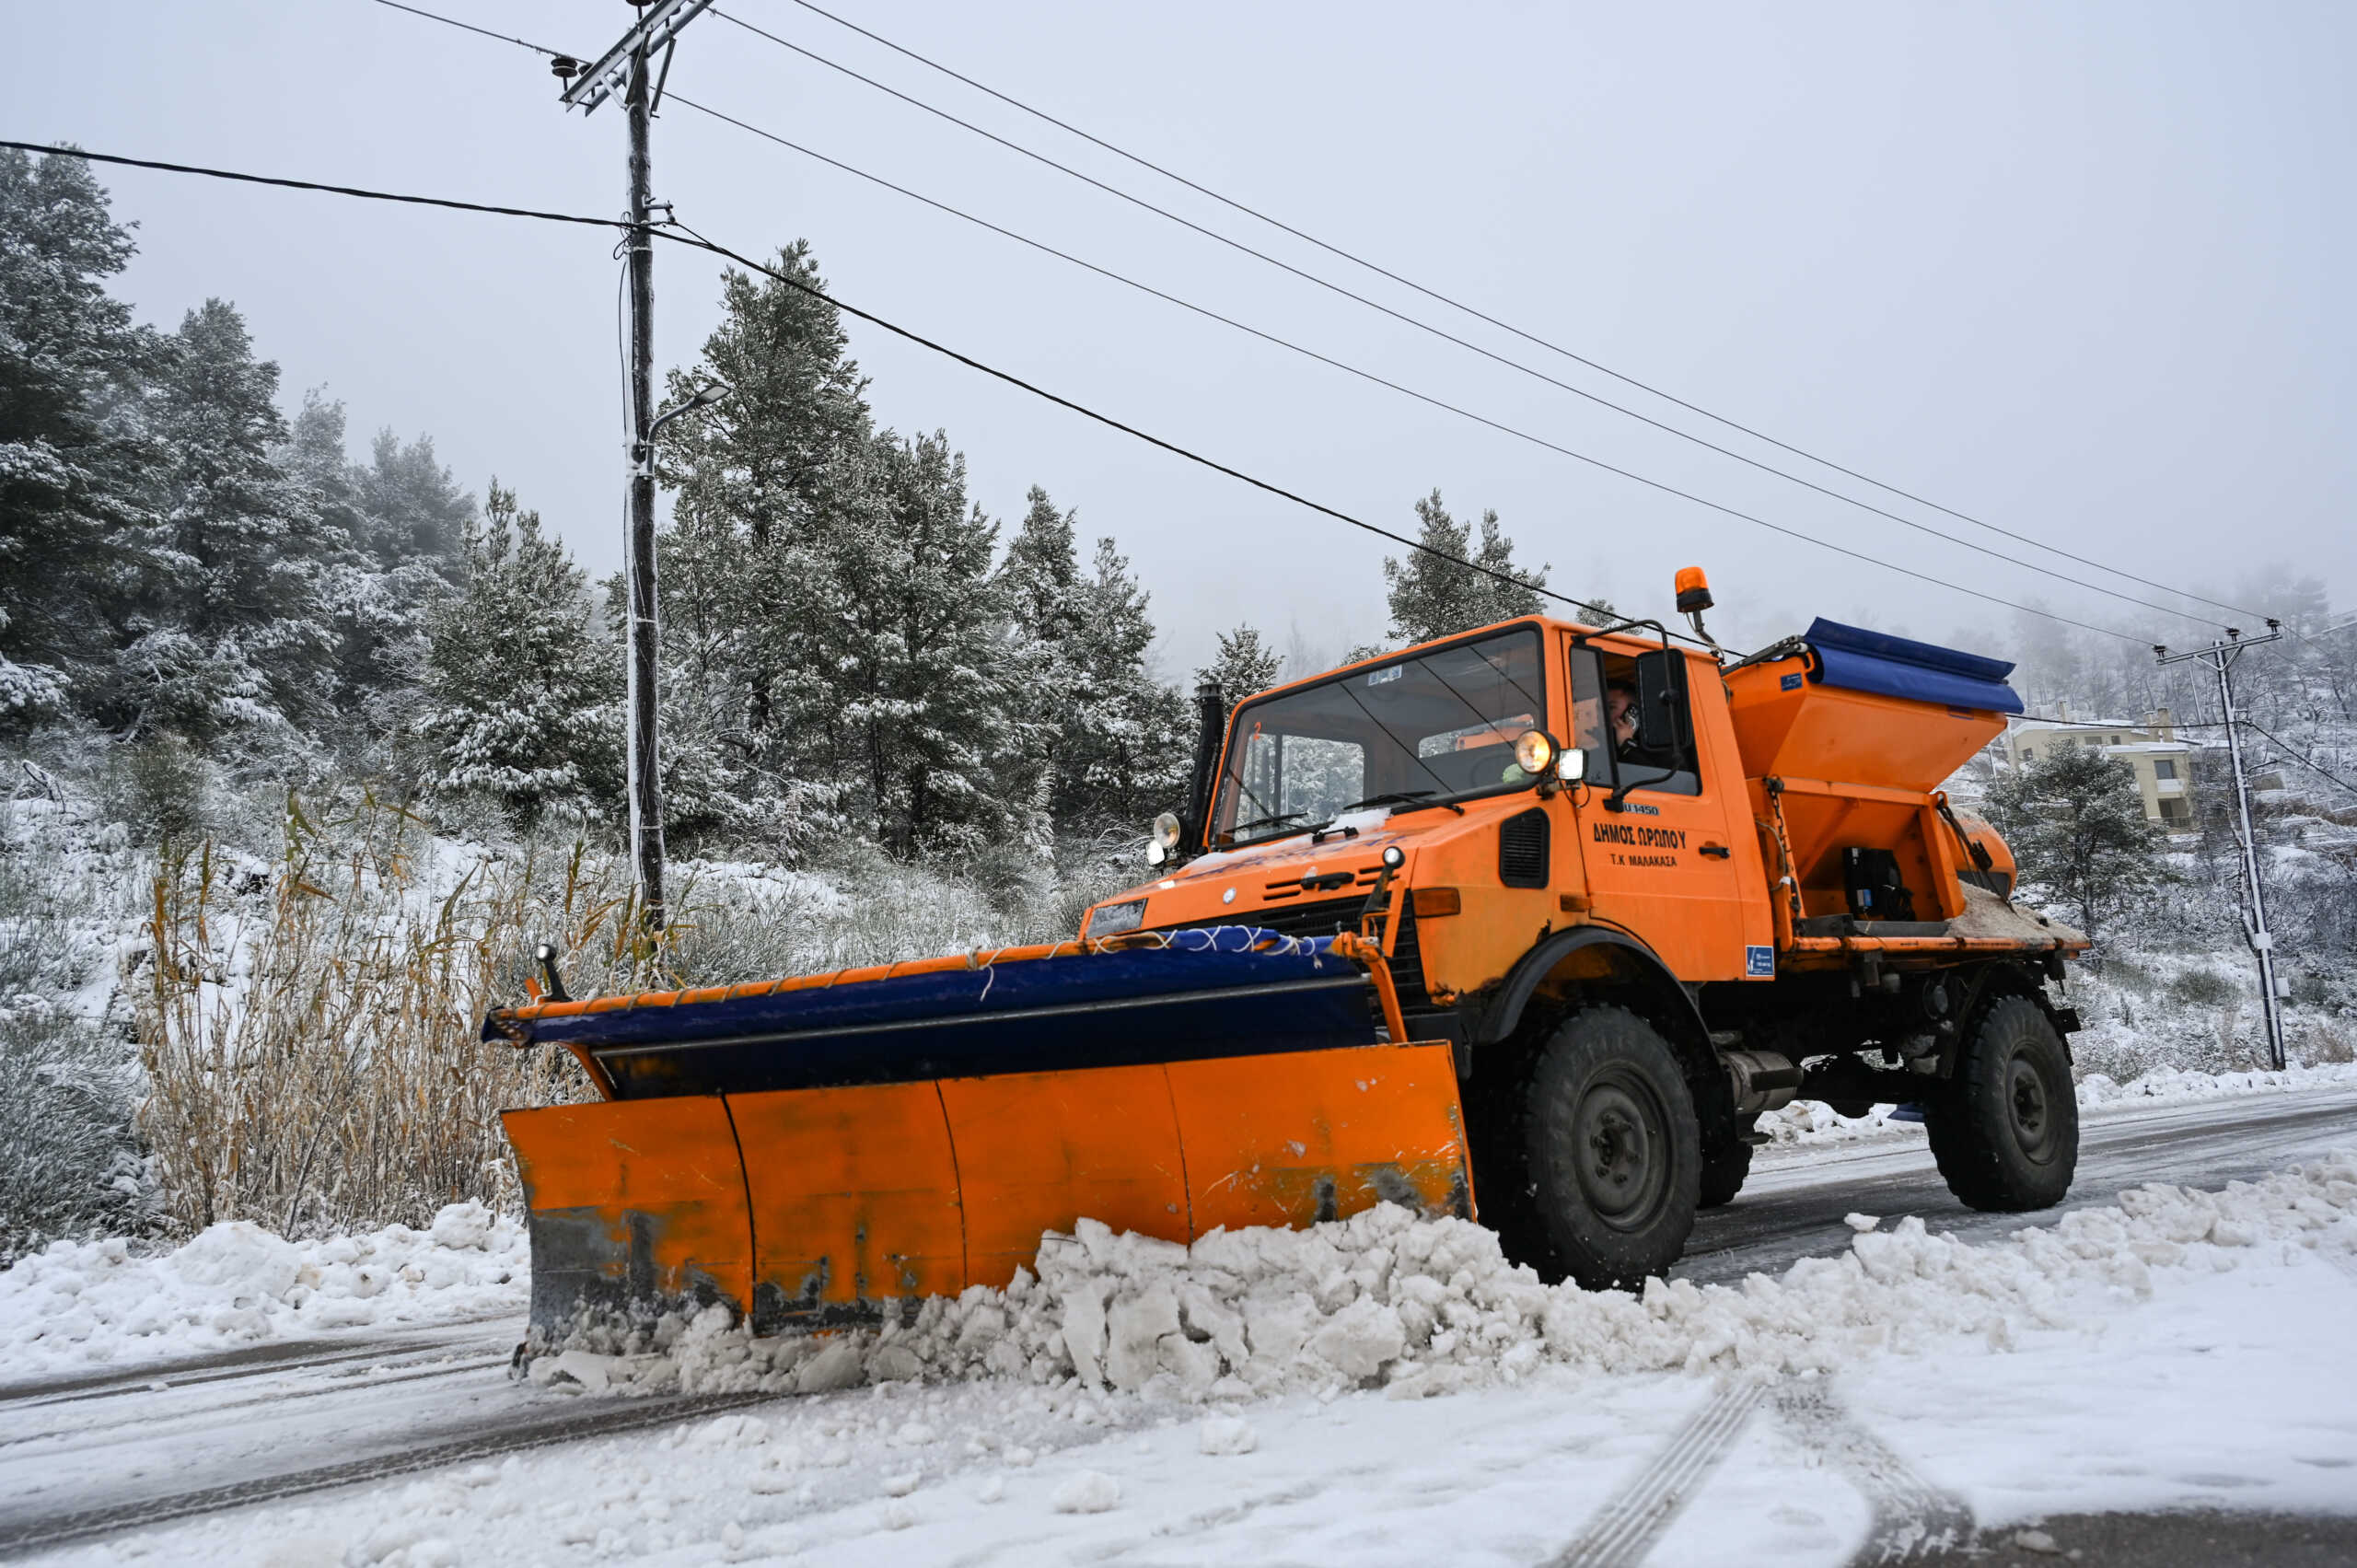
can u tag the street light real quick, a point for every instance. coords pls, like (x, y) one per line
(708, 394)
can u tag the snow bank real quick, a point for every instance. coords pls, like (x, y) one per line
(91, 1302)
(2172, 1085)
(1809, 1124)
(1428, 1306)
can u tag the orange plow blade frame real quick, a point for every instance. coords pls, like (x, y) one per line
(814, 1208)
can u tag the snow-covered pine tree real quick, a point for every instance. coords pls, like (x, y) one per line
(907, 672)
(73, 442)
(229, 631)
(1039, 580)
(1433, 598)
(406, 520)
(752, 477)
(523, 687)
(2074, 820)
(1122, 744)
(1245, 663)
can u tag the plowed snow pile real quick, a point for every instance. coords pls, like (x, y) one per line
(82, 1303)
(1428, 1306)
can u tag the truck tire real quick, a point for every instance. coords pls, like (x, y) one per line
(1723, 1170)
(1612, 1151)
(2006, 1131)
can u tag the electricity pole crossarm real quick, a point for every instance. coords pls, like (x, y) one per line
(2220, 658)
(658, 28)
(623, 68)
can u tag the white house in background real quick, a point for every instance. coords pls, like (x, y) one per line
(2163, 764)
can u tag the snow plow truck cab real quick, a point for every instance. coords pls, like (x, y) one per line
(1430, 930)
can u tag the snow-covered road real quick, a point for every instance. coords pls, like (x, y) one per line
(1587, 1471)
(1794, 1204)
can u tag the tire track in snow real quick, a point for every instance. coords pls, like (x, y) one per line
(1632, 1519)
(21, 1535)
(246, 1361)
(1912, 1519)
(383, 1374)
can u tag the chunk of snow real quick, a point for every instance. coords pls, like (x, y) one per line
(1227, 1434)
(1087, 1492)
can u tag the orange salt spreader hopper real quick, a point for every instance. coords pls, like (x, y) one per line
(1549, 911)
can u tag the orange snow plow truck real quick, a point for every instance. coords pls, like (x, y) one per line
(1529, 925)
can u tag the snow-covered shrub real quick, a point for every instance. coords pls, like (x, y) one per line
(68, 1163)
(2202, 986)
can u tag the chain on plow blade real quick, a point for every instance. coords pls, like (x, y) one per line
(813, 1152)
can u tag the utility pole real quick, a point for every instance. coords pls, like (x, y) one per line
(623, 68)
(2221, 657)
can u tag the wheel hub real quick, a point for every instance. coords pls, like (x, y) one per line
(2031, 1114)
(1621, 1149)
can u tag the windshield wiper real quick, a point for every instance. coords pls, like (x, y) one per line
(1404, 797)
(1266, 822)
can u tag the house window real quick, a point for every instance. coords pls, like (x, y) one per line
(2164, 768)
(2029, 753)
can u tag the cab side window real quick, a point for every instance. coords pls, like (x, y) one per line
(1632, 717)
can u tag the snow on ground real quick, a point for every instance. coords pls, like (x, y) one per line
(82, 1305)
(1420, 1307)
(2181, 1348)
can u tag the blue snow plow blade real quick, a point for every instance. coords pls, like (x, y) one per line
(1222, 991)
(1859, 660)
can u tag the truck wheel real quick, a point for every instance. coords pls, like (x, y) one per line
(1723, 1170)
(2006, 1132)
(1612, 1151)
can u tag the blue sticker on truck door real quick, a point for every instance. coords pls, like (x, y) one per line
(1759, 963)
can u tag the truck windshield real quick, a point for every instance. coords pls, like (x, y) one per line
(1437, 725)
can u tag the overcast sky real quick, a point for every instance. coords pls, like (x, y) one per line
(2080, 271)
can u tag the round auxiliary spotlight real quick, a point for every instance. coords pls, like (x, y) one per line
(1534, 751)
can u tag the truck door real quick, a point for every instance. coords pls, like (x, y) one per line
(1652, 819)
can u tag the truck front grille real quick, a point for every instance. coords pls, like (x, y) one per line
(1328, 916)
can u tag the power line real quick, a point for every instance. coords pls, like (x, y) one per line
(453, 21)
(1354, 370)
(689, 237)
(1373, 377)
(2117, 723)
(2292, 755)
(1479, 315)
(1449, 337)
(61, 150)
(686, 237)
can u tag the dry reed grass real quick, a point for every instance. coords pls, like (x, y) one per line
(312, 1055)
(310, 1028)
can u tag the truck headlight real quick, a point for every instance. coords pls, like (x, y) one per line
(1166, 830)
(1534, 751)
(1111, 920)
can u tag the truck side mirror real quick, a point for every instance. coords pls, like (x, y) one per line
(1665, 725)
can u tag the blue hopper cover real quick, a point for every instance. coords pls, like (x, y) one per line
(1859, 660)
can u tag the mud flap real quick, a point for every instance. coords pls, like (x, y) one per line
(850, 1201)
